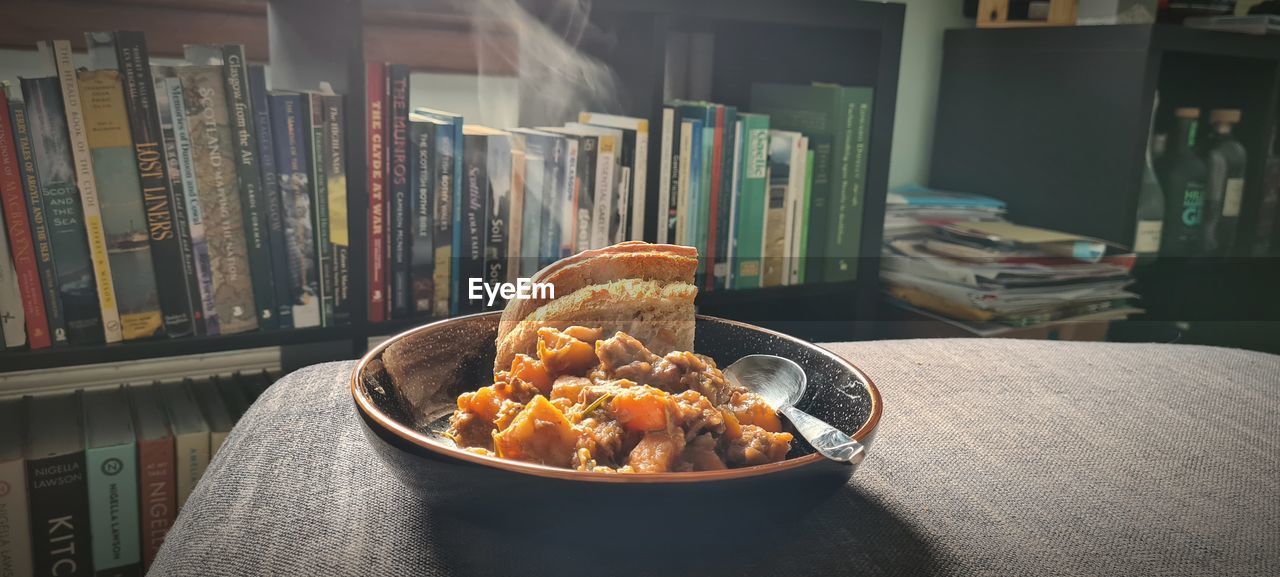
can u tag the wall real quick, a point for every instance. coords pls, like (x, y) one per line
(918, 86)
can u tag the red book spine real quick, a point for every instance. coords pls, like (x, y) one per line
(376, 88)
(20, 243)
(713, 229)
(159, 500)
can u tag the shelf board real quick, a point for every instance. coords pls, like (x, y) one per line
(776, 294)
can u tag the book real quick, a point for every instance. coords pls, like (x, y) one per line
(292, 143)
(752, 196)
(734, 191)
(337, 245)
(57, 491)
(82, 162)
(727, 119)
(515, 232)
(111, 467)
(837, 121)
(271, 196)
(214, 409)
(198, 270)
(456, 140)
(60, 201)
(318, 128)
(534, 146)
(248, 175)
(232, 396)
(552, 200)
(580, 206)
(782, 148)
(498, 212)
(42, 243)
(375, 112)
(606, 219)
(157, 492)
(397, 127)
(21, 272)
(124, 220)
(803, 218)
(205, 100)
(170, 259)
(637, 131)
(13, 319)
(707, 164)
(565, 237)
(475, 196)
(15, 527)
(680, 212)
(422, 257)
(442, 219)
(668, 165)
(190, 438)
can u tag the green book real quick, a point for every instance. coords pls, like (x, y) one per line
(805, 205)
(749, 228)
(111, 465)
(832, 117)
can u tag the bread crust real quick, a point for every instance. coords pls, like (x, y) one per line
(654, 275)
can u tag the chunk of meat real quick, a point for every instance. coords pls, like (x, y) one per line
(564, 354)
(695, 414)
(657, 452)
(700, 453)
(569, 387)
(757, 446)
(624, 357)
(540, 433)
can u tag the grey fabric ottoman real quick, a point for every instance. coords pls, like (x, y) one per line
(994, 457)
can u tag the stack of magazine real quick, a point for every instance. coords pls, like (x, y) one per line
(953, 254)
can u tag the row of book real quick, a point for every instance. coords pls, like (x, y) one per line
(91, 481)
(954, 255)
(769, 198)
(145, 200)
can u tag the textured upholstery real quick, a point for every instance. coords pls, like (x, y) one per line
(995, 457)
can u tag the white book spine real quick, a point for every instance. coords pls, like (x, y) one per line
(605, 179)
(664, 173)
(624, 201)
(682, 203)
(88, 190)
(15, 528)
(569, 212)
(640, 181)
(795, 201)
(735, 190)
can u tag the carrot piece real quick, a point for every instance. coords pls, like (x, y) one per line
(531, 371)
(641, 408)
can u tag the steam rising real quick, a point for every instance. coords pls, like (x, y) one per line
(555, 79)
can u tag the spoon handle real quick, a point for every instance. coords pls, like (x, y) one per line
(828, 440)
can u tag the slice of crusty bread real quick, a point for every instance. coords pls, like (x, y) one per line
(658, 313)
(632, 284)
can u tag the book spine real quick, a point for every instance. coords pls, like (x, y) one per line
(62, 211)
(587, 161)
(339, 241)
(271, 196)
(158, 506)
(569, 204)
(516, 208)
(703, 216)
(668, 161)
(805, 205)
(751, 203)
(454, 296)
(167, 253)
(41, 240)
(244, 150)
(210, 133)
(849, 165)
(124, 222)
(497, 214)
(13, 319)
(475, 171)
(84, 178)
(618, 221)
(319, 131)
(442, 220)
(192, 458)
(735, 194)
(681, 165)
(398, 144)
(421, 252)
(711, 214)
(553, 187)
(728, 117)
(375, 99)
(535, 174)
(59, 508)
(606, 151)
(191, 212)
(291, 140)
(640, 184)
(15, 531)
(112, 475)
(21, 249)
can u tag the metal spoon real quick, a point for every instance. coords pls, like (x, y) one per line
(781, 383)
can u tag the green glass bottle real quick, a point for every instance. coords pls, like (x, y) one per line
(1183, 177)
(1226, 164)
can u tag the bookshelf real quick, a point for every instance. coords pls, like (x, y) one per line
(1054, 121)
(309, 41)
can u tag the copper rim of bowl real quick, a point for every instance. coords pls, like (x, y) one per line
(365, 404)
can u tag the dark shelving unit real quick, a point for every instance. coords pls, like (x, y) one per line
(1054, 121)
(756, 40)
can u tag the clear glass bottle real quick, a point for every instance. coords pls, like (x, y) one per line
(1183, 177)
(1226, 159)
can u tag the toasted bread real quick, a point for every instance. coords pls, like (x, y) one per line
(642, 289)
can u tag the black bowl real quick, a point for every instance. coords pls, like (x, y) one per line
(406, 388)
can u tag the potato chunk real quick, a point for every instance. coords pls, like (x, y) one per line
(642, 408)
(564, 354)
(540, 433)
